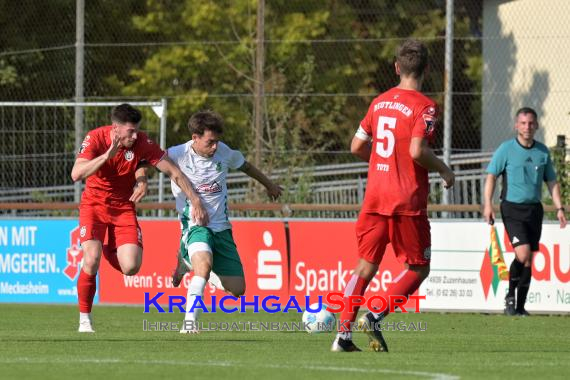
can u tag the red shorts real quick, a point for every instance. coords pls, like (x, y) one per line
(410, 237)
(120, 222)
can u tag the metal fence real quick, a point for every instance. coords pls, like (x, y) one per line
(336, 184)
(39, 140)
(324, 61)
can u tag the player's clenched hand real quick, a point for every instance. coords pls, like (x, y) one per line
(448, 177)
(274, 191)
(115, 143)
(199, 214)
(139, 191)
(489, 214)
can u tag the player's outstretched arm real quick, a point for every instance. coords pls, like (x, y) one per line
(273, 190)
(168, 167)
(424, 156)
(83, 167)
(488, 212)
(554, 189)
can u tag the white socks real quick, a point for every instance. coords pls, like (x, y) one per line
(195, 289)
(84, 317)
(216, 281)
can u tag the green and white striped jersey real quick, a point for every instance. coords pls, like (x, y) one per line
(208, 176)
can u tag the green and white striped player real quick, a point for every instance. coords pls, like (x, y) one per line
(209, 249)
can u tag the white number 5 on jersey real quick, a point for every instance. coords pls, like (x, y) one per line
(386, 140)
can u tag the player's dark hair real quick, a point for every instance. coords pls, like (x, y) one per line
(205, 120)
(526, 110)
(125, 113)
(412, 56)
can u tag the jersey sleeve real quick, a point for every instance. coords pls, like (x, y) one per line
(498, 161)
(425, 122)
(91, 146)
(235, 159)
(549, 172)
(174, 152)
(150, 151)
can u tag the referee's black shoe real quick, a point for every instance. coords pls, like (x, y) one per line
(522, 313)
(510, 306)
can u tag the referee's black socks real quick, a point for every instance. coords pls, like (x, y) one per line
(515, 273)
(524, 285)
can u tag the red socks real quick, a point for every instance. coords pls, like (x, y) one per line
(86, 288)
(355, 287)
(405, 284)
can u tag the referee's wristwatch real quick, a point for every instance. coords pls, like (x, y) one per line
(561, 209)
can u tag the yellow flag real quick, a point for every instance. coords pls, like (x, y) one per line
(497, 255)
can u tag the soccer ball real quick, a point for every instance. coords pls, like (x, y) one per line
(320, 321)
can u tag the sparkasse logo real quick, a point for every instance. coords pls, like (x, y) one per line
(269, 266)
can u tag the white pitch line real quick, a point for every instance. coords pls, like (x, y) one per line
(311, 367)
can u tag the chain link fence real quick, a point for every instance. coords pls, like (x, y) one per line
(37, 143)
(324, 62)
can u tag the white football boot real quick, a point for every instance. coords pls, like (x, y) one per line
(85, 323)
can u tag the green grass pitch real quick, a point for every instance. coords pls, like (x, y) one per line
(40, 341)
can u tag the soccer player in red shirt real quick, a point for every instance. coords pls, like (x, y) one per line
(108, 160)
(393, 137)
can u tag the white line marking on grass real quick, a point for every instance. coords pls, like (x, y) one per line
(429, 375)
(527, 364)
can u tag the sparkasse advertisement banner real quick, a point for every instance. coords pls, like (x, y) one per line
(323, 255)
(261, 245)
(40, 261)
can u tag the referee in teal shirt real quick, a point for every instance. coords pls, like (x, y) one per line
(524, 164)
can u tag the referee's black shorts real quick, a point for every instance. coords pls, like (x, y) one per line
(523, 222)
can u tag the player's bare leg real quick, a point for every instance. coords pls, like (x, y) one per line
(183, 267)
(202, 265)
(87, 283)
(110, 251)
(130, 258)
(234, 285)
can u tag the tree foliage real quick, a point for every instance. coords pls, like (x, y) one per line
(313, 49)
(325, 61)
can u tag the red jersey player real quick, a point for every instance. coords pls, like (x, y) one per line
(393, 138)
(108, 160)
